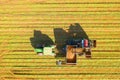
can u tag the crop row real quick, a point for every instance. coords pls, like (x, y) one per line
(117, 33)
(26, 53)
(44, 59)
(63, 13)
(61, 10)
(52, 26)
(29, 46)
(25, 40)
(32, 55)
(32, 50)
(64, 24)
(50, 32)
(29, 19)
(81, 70)
(66, 17)
(101, 44)
(11, 22)
(63, 77)
(62, 3)
(24, 35)
(47, 64)
(48, 28)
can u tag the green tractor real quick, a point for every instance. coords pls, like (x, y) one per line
(45, 50)
(42, 44)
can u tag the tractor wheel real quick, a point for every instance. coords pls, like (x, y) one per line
(59, 62)
(40, 54)
(81, 54)
(87, 49)
(88, 53)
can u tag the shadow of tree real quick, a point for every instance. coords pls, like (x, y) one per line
(75, 31)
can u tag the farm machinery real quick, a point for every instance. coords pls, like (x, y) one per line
(74, 42)
(74, 47)
(42, 44)
(45, 50)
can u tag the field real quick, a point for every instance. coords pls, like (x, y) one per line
(100, 19)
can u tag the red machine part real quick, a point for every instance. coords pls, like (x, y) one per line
(85, 43)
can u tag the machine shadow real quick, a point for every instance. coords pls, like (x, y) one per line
(75, 31)
(40, 39)
(60, 38)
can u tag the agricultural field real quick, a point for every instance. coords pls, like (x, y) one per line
(19, 19)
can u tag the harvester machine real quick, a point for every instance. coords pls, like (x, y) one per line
(76, 47)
